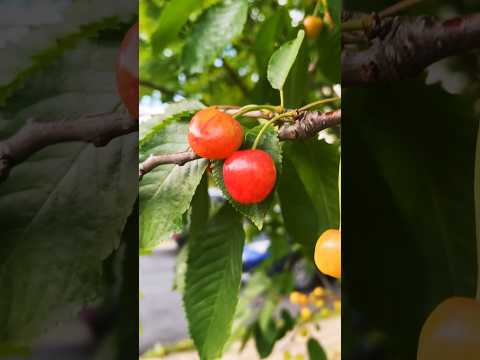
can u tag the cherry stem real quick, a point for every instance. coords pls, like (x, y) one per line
(476, 191)
(267, 124)
(327, 17)
(363, 23)
(317, 8)
(288, 114)
(249, 108)
(319, 102)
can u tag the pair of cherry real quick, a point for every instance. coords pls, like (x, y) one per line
(249, 175)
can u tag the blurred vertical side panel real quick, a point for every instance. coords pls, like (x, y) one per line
(411, 107)
(68, 179)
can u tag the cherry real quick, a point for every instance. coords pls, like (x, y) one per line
(214, 135)
(249, 176)
(328, 253)
(452, 331)
(313, 25)
(127, 71)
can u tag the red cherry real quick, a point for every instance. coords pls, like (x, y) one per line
(214, 135)
(127, 71)
(452, 331)
(249, 176)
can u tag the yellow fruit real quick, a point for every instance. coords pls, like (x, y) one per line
(318, 291)
(305, 314)
(452, 331)
(295, 297)
(328, 253)
(337, 305)
(312, 25)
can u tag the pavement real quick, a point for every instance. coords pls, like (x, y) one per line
(163, 320)
(161, 313)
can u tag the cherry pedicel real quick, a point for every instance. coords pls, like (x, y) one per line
(249, 176)
(127, 71)
(214, 135)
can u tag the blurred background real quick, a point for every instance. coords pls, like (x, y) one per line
(284, 300)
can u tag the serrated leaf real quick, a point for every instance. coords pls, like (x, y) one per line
(35, 47)
(266, 338)
(62, 210)
(269, 143)
(315, 350)
(282, 61)
(213, 282)
(200, 208)
(166, 192)
(308, 190)
(215, 29)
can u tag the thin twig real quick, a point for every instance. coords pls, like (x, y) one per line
(35, 135)
(236, 78)
(152, 85)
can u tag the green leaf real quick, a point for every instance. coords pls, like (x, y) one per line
(198, 220)
(173, 17)
(308, 190)
(298, 85)
(328, 46)
(315, 350)
(215, 29)
(166, 192)
(62, 210)
(399, 175)
(40, 46)
(267, 332)
(268, 35)
(213, 282)
(269, 143)
(265, 338)
(200, 207)
(282, 61)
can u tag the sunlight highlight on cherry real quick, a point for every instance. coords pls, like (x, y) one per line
(328, 253)
(214, 135)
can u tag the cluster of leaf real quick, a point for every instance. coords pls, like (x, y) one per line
(57, 231)
(202, 48)
(413, 205)
(196, 49)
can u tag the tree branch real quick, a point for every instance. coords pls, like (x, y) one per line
(152, 85)
(236, 78)
(35, 135)
(402, 47)
(307, 124)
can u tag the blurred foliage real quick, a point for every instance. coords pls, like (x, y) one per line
(408, 210)
(237, 74)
